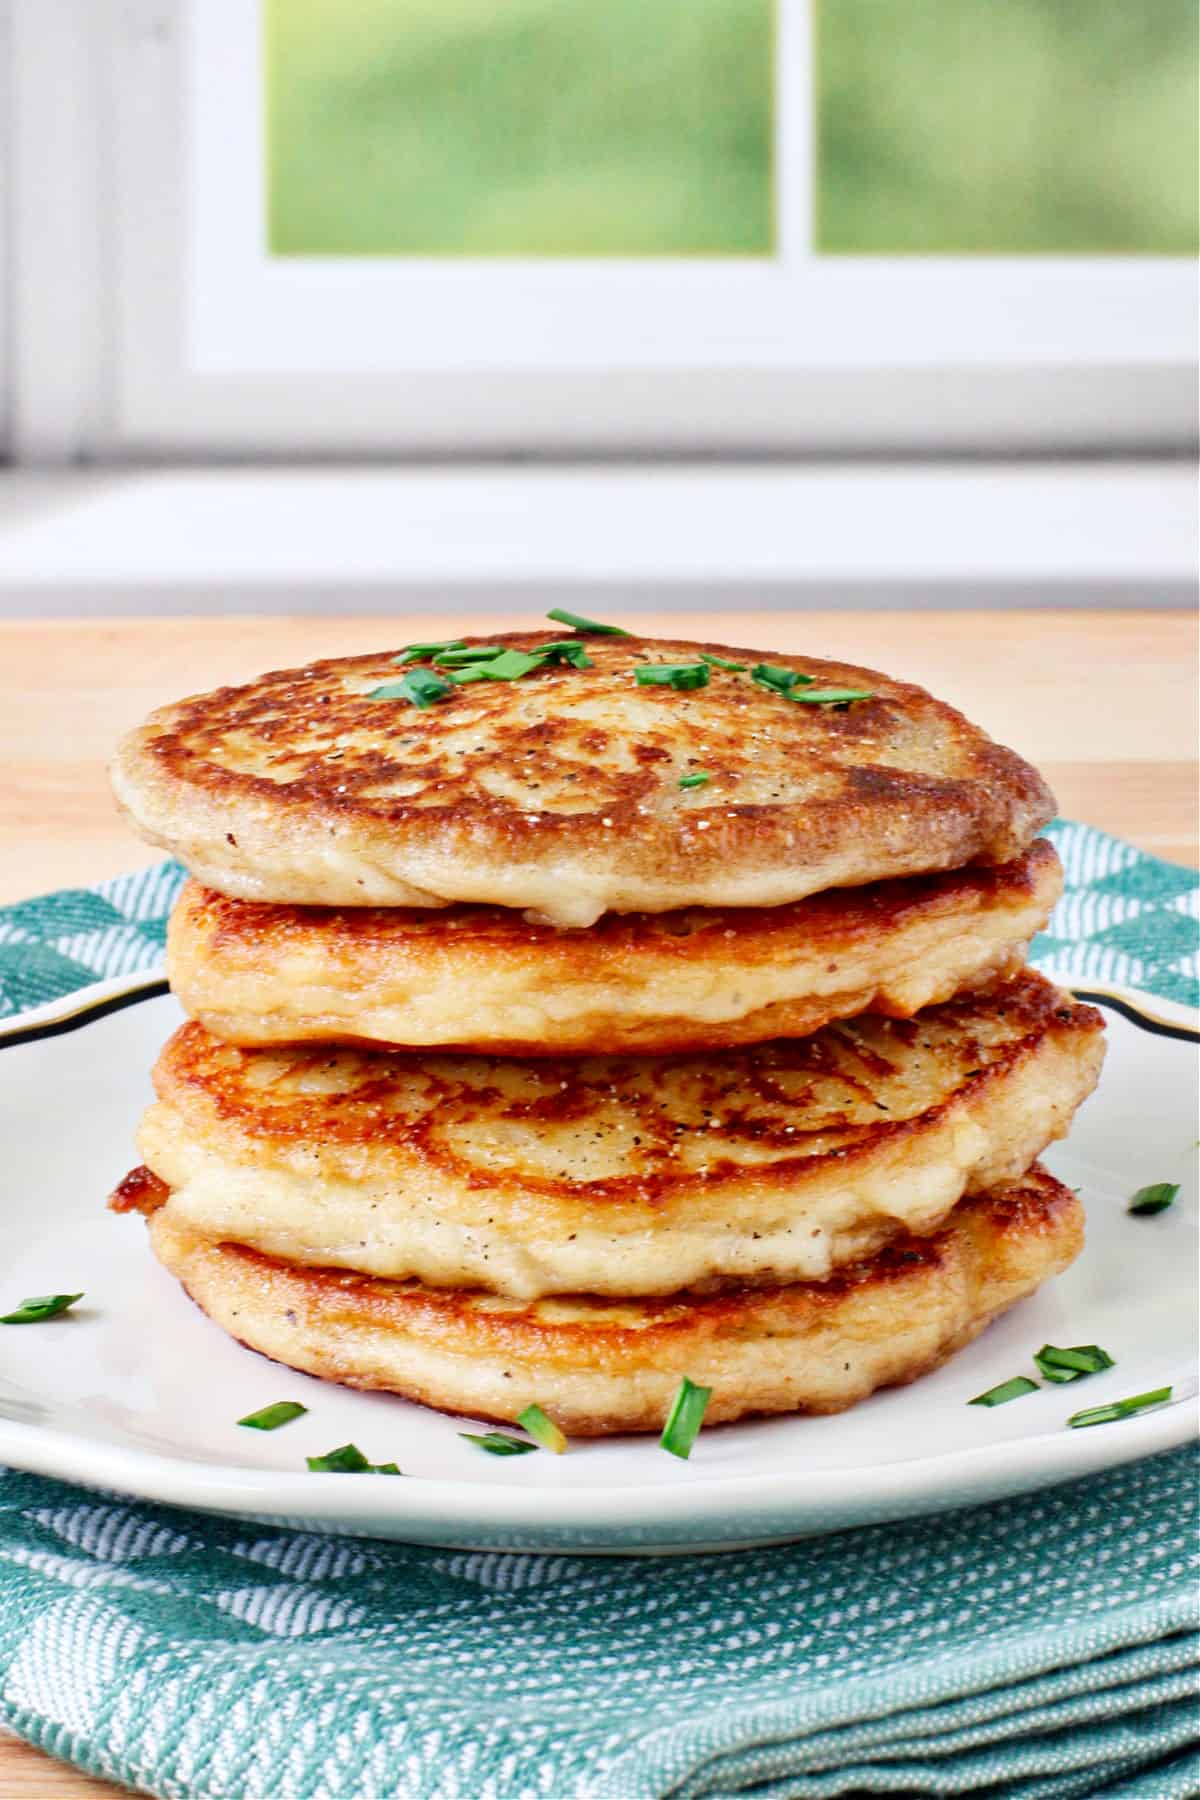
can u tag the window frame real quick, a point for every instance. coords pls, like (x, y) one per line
(103, 163)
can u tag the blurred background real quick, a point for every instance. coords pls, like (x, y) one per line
(567, 128)
(1006, 126)
(532, 127)
(340, 305)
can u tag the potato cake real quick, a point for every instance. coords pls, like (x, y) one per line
(484, 979)
(602, 1366)
(607, 774)
(621, 1176)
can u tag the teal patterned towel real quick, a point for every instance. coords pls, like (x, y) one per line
(1039, 1649)
(1043, 1647)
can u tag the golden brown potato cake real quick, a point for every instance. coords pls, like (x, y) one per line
(561, 792)
(617, 1175)
(600, 1366)
(483, 979)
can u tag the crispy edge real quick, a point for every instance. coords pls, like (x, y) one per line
(997, 1249)
(213, 939)
(182, 1080)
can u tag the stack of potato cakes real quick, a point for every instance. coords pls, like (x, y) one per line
(572, 1015)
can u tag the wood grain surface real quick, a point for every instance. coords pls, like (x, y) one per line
(1104, 703)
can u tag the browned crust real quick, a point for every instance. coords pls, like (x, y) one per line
(216, 942)
(757, 1092)
(139, 1191)
(440, 800)
(995, 1249)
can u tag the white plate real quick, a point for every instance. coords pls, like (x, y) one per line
(136, 1391)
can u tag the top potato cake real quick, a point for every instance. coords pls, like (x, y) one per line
(560, 793)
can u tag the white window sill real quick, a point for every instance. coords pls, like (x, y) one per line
(363, 539)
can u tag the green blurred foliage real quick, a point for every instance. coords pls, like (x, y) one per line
(1007, 126)
(520, 127)
(644, 127)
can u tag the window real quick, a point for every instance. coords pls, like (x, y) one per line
(1035, 127)
(528, 128)
(420, 225)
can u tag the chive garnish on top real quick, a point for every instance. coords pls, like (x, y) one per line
(270, 1418)
(459, 656)
(39, 1307)
(685, 1418)
(1005, 1391)
(811, 696)
(1071, 1364)
(673, 675)
(1120, 1409)
(577, 623)
(510, 665)
(476, 671)
(419, 652)
(801, 687)
(566, 650)
(459, 664)
(771, 675)
(1153, 1199)
(699, 779)
(348, 1459)
(421, 687)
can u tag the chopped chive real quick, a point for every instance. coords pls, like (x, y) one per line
(718, 662)
(270, 1418)
(685, 1418)
(497, 1443)
(1059, 1365)
(699, 779)
(419, 686)
(542, 1429)
(567, 650)
(672, 675)
(782, 680)
(418, 652)
(832, 696)
(460, 655)
(1006, 1391)
(511, 665)
(1153, 1199)
(39, 1307)
(1120, 1409)
(1060, 1377)
(562, 617)
(348, 1459)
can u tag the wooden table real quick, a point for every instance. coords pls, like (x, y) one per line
(1103, 702)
